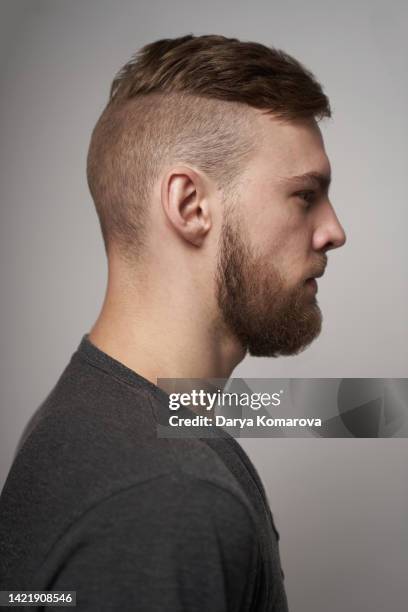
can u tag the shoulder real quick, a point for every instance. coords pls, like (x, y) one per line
(173, 525)
(166, 502)
(98, 435)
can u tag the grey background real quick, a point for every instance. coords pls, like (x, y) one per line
(340, 505)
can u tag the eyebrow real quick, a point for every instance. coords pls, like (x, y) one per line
(319, 178)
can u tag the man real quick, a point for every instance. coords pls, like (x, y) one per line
(210, 180)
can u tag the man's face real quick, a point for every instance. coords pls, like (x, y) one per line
(274, 240)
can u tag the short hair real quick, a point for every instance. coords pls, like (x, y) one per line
(186, 100)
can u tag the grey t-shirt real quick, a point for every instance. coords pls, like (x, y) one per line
(98, 503)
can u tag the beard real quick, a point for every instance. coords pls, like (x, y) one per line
(268, 318)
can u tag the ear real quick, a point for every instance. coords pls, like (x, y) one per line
(185, 203)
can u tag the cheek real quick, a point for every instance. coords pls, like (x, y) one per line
(270, 229)
(279, 231)
(285, 234)
(290, 255)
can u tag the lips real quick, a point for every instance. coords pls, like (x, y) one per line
(311, 282)
(319, 275)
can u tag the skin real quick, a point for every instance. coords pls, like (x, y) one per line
(174, 315)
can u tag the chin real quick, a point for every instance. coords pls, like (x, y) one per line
(287, 340)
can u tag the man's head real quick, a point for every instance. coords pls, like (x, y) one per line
(197, 149)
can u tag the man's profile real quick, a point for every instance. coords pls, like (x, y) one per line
(210, 180)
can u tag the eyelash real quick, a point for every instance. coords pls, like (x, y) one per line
(307, 193)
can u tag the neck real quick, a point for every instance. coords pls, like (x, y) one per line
(164, 331)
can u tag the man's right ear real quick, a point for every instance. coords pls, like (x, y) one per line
(185, 204)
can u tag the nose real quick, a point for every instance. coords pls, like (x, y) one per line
(329, 233)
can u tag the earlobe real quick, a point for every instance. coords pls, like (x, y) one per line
(185, 204)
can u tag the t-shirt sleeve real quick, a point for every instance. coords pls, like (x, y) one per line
(168, 544)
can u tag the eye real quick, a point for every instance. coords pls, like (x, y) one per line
(308, 197)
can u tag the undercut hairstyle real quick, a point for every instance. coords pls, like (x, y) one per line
(188, 101)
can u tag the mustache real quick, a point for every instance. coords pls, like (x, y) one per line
(320, 267)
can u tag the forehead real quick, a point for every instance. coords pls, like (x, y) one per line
(292, 148)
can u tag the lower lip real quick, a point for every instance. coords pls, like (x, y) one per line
(311, 282)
